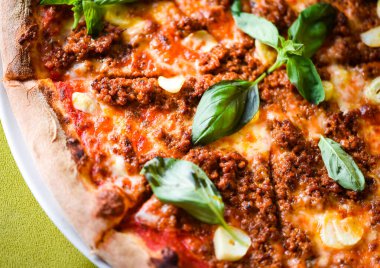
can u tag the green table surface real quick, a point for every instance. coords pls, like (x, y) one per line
(28, 238)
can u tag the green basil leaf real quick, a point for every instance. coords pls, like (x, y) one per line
(185, 185)
(57, 2)
(304, 76)
(340, 165)
(78, 12)
(312, 27)
(93, 15)
(113, 2)
(258, 28)
(224, 109)
(289, 47)
(236, 7)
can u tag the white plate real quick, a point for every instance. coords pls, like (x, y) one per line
(33, 179)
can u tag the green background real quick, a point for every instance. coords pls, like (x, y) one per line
(28, 238)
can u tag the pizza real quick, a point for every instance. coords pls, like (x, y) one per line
(204, 133)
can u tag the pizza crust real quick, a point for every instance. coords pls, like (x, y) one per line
(16, 21)
(124, 250)
(46, 141)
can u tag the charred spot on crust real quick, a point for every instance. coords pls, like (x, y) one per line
(169, 259)
(29, 34)
(110, 203)
(76, 150)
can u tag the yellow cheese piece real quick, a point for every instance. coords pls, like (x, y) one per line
(264, 53)
(340, 233)
(349, 231)
(172, 84)
(371, 37)
(227, 248)
(329, 89)
(83, 102)
(200, 40)
(372, 91)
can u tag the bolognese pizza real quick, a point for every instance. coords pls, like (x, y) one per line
(204, 133)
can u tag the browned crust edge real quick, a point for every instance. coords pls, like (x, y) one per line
(16, 21)
(47, 143)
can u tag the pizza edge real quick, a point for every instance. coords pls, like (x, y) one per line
(47, 142)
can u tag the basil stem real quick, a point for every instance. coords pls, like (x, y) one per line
(185, 185)
(340, 165)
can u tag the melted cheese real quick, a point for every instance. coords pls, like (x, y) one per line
(371, 37)
(264, 53)
(251, 141)
(200, 41)
(172, 84)
(348, 84)
(227, 248)
(340, 233)
(83, 102)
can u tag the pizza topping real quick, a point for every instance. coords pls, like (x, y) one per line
(340, 165)
(328, 87)
(172, 84)
(118, 166)
(372, 91)
(200, 40)
(226, 247)
(340, 233)
(91, 10)
(306, 35)
(229, 105)
(83, 102)
(224, 109)
(111, 202)
(265, 53)
(185, 185)
(372, 37)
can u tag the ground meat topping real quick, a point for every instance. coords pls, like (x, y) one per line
(275, 11)
(80, 44)
(110, 202)
(77, 46)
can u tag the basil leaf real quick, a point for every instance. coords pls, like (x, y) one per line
(340, 165)
(112, 2)
(78, 12)
(289, 47)
(304, 76)
(312, 27)
(258, 28)
(224, 109)
(57, 2)
(236, 7)
(185, 185)
(93, 15)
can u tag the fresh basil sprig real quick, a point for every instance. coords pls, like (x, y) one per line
(92, 10)
(224, 109)
(312, 26)
(185, 185)
(340, 165)
(306, 35)
(227, 106)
